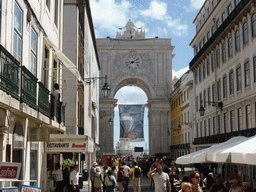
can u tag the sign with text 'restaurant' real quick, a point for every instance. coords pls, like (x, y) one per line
(66, 146)
(9, 170)
(27, 188)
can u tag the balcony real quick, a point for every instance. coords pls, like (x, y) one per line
(18, 82)
(223, 27)
(224, 137)
(181, 146)
(9, 73)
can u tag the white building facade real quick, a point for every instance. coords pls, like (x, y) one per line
(224, 71)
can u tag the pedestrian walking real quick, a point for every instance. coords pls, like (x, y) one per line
(161, 179)
(127, 170)
(58, 177)
(92, 174)
(194, 179)
(74, 178)
(120, 178)
(110, 182)
(98, 180)
(234, 186)
(136, 173)
(186, 187)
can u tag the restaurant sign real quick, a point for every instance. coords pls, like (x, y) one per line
(66, 146)
(27, 188)
(9, 170)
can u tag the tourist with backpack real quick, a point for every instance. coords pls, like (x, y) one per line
(98, 180)
(136, 173)
(110, 181)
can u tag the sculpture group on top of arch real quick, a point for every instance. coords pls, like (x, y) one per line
(132, 32)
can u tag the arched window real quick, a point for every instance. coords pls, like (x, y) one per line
(245, 32)
(254, 24)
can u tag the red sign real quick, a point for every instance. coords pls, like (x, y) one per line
(9, 170)
(26, 188)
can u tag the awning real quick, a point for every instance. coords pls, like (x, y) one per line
(60, 143)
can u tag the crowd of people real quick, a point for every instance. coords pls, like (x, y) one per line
(164, 175)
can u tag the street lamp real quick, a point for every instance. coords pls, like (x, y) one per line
(202, 110)
(105, 90)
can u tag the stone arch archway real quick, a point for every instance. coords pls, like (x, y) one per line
(147, 64)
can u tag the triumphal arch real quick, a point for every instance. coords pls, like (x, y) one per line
(132, 59)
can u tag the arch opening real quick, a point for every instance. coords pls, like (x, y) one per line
(131, 95)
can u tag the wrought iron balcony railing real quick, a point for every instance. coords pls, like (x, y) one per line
(224, 136)
(28, 88)
(9, 73)
(43, 100)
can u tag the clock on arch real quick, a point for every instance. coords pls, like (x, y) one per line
(132, 61)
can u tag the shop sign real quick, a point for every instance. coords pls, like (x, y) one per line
(10, 189)
(9, 170)
(27, 188)
(66, 146)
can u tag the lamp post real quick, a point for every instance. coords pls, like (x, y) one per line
(202, 110)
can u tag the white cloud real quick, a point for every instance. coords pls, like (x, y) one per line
(156, 10)
(196, 4)
(131, 95)
(109, 15)
(177, 28)
(179, 73)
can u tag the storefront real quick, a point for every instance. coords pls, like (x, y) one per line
(77, 148)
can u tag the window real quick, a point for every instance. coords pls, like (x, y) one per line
(213, 125)
(237, 40)
(33, 62)
(209, 94)
(200, 45)
(213, 93)
(236, 2)
(204, 41)
(245, 32)
(209, 126)
(17, 39)
(217, 23)
(204, 97)
(224, 87)
(254, 24)
(208, 11)
(208, 35)
(238, 79)
(254, 68)
(204, 70)
(196, 77)
(212, 30)
(229, 9)
(219, 90)
(212, 62)
(218, 57)
(48, 4)
(200, 97)
(230, 50)
(223, 52)
(205, 127)
(239, 119)
(247, 74)
(200, 74)
(197, 132)
(56, 16)
(203, 17)
(231, 83)
(225, 122)
(196, 103)
(187, 93)
(223, 17)
(212, 5)
(208, 67)
(231, 121)
(248, 116)
(219, 124)
(195, 50)
(201, 129)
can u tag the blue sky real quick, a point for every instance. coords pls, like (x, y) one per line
(163, 18)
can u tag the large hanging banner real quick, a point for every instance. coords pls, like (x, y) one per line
(131, 122)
